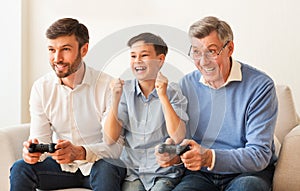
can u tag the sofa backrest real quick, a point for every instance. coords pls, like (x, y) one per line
(287, 116)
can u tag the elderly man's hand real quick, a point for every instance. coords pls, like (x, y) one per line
(197, 157)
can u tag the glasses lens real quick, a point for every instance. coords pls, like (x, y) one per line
(195, 55)
(207, 54)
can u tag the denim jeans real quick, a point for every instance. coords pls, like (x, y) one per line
(205, 181)
(161, 184)
(47, 175)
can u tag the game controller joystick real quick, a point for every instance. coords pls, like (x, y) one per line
(50, 148)
(173, 149)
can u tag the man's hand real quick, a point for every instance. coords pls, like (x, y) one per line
(196, 157)
(161, 84)
(116, 87)
(30, 158)
(165, 159)
(67, 152)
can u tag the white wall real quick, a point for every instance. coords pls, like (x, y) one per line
(10, 72)
(266, 32)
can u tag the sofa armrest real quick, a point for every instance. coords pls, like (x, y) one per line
(11, 141)
(287, 170)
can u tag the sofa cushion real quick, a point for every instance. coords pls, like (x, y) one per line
(286, 176)
(287, 117)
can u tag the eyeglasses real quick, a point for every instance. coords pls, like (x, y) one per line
(208, 54)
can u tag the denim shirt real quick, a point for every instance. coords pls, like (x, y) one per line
(144, 127)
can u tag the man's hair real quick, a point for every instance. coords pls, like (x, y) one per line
(68, 27)
(148, 38)
(205, 26)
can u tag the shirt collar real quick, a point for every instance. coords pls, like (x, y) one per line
(137, 87)
(234, 75)
(88, 77)
(139, 91)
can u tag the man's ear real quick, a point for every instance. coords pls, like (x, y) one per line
(84, 49)
(230, 47)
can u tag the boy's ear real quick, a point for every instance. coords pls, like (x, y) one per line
(162, 58)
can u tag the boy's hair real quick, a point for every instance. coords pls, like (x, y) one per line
(68, 27)
(148, 38)
(205, 26)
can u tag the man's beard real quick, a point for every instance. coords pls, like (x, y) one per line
(72, 68)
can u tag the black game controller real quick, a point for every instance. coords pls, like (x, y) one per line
(50, 148)
(180, 149)
(173, 149)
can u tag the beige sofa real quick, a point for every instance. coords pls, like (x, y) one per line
(287, 174)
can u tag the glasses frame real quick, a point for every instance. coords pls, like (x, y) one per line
(220, 51)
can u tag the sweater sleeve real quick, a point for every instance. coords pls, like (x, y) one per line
(260, 119)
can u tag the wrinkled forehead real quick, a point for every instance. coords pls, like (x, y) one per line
(204, 43)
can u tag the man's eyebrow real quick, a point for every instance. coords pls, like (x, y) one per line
(212, 45)
(65, 45)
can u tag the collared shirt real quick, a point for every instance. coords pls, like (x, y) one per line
(234, 75)
(144, 128)
(59, 112)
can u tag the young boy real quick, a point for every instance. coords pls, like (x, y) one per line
(146, 111)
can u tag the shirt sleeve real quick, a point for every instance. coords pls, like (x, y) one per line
(40, 126)
(102, 150)
(99, 151)
(178, 101)
(211, 167)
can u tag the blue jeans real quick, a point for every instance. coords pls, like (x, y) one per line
(161, 184)
(205, 181)
(47, 175)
